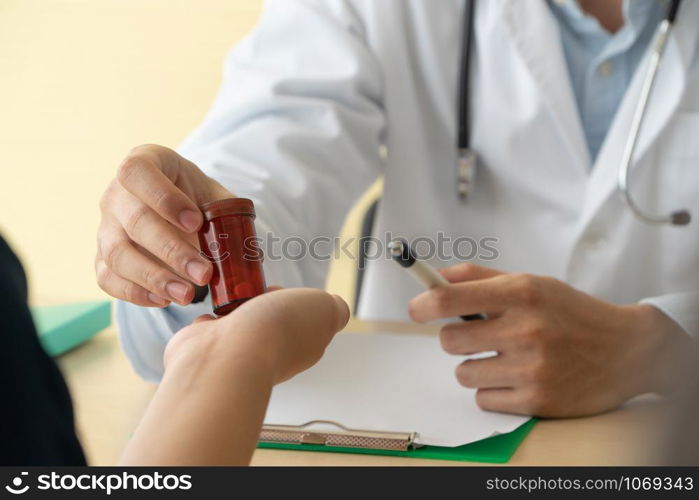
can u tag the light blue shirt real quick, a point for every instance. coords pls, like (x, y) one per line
(601, 64)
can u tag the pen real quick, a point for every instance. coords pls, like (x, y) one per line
(421, 271)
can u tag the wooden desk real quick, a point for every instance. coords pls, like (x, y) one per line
(110, 399)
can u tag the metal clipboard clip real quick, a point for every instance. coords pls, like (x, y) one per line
(342, 437)
(466, 172)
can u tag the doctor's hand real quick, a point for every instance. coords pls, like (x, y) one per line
(147, 251)
(561, 352)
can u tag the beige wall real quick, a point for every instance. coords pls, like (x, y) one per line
(82, 82)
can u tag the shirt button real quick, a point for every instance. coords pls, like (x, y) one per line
(606, 68)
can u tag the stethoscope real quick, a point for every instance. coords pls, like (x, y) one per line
(468, 158)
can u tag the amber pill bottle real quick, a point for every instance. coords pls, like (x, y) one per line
(228, 239)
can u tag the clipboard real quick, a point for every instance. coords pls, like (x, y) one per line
(341, 437)
(388, 394)
(495, 449)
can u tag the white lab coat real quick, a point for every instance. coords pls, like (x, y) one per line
(320, 85)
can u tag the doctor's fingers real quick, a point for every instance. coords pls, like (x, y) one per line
(123, 289)
(491, 295)
(458, 299)
(521, 401)
(495, 372)
(125, 261)
(143, 174)
(475, 336)
(162, 240)
(467, 271)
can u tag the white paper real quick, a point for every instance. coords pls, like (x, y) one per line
(388, 382)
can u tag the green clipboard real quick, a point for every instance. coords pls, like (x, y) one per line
(65, 326)
(496, 449)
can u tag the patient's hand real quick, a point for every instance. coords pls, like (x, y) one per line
(219, 374)
(282, 331)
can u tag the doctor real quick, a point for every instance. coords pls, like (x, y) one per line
(589, 305)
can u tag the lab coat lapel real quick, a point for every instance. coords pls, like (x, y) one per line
(669, 88)
(537, 38)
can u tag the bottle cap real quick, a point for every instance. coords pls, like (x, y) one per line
(230, 206)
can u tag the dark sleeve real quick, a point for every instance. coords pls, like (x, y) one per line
(36, 421)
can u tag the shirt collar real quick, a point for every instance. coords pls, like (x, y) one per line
(637, 15)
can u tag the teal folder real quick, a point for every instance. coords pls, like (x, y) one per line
(65, 326)
(495, 449)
